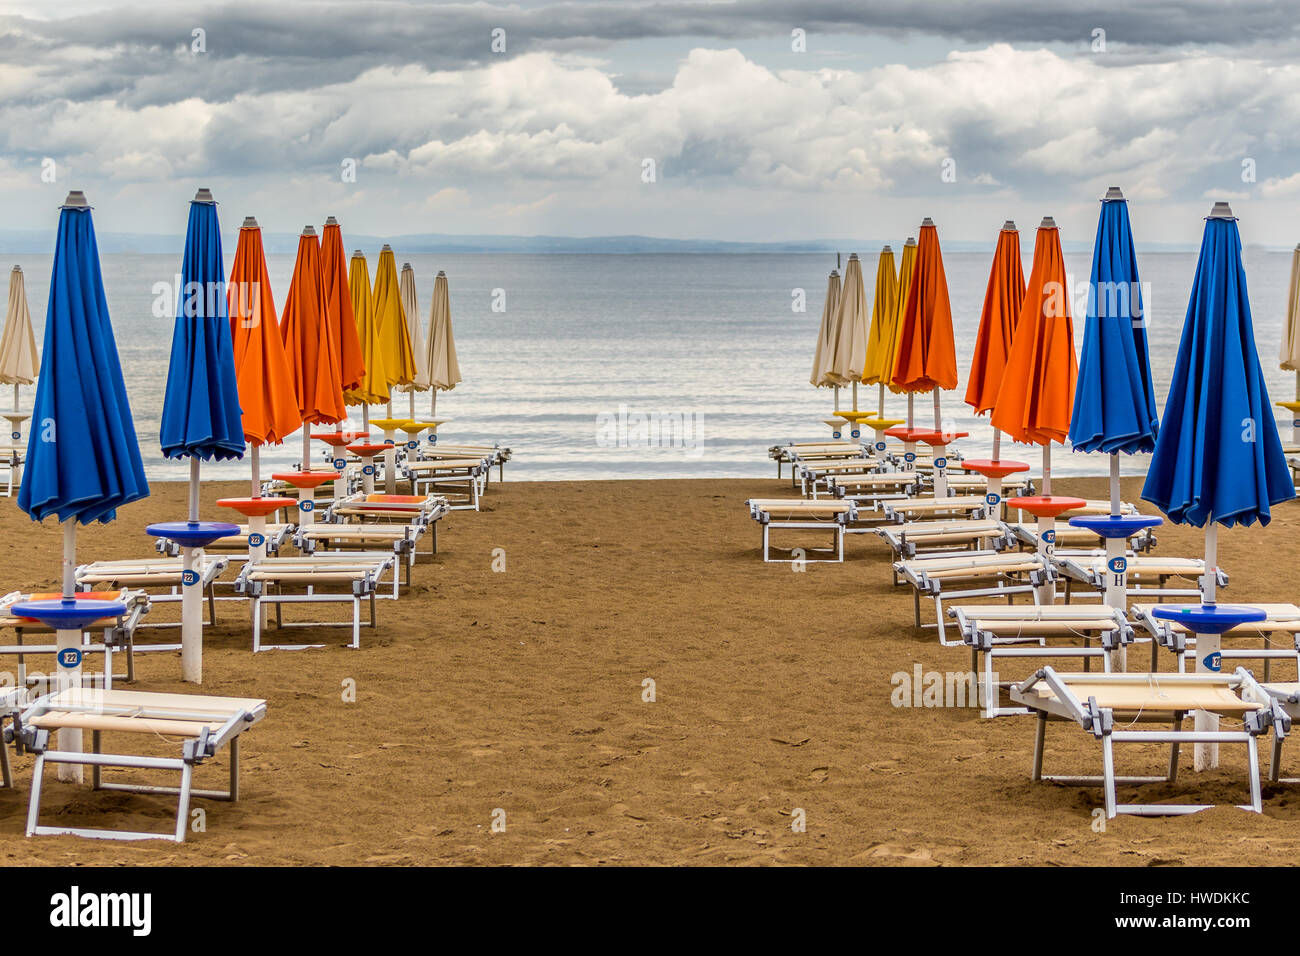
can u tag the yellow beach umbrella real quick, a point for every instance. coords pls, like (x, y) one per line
(444, 369)
(905, 267)
(394, 335)
(884, 326)
(374, 383)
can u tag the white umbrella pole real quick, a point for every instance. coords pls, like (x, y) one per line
(192, 596)
(254, 458)
(306, 496)
(69, 676)
(1295, 418)
(1116, 583)
(1207, 646)
(855, 396)
(880, 402)
(940, 455)
(433, 401)
(997, 443)
(411, 393)
(1046, 524)
(15, 396)
(836, 390)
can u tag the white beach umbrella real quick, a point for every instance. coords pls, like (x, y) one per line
(18, 358)
(443, 369)
(851, 318)
(826, 335)
(1289, 355)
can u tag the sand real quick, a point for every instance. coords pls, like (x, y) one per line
(519, 696)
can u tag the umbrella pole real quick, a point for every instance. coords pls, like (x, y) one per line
(940, 453)
(880, 402)
(1047, 529)
(191, 596)
(855, 396)
(1116, 583)
(254, 457)
(433, 401)
(69, 677)
(836, 390)
(411, 393)
(1207, 649)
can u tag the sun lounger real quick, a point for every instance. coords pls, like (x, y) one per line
(1108, 705)
(315, 579)
(920, 509)
(932, 537)
(795, 451)
(401, 539)
(118, 633)
(974, 575)
(799, 514)
(460, 480)
(976, 484)
(1148, 576)
(160, 578)
(379, 508)
(494, 455)
(277, 535)
(1285, 696)
(11, 466)
(1000, 631)
(1069, 537)
(870, 492)
(815, 476)
(202, 725)
(1283, 620)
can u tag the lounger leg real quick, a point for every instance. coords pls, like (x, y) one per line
(916, 606)
(183, 803)
(234, 769)
(1040, 733)
(1173, 751)
(1252, 752)
(34, 804)
(990, 688)
(6, 771)
(1108, 774)
(212, 602)
(1275, 759)
(257, 624)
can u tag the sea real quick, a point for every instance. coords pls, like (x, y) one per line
(646, 366)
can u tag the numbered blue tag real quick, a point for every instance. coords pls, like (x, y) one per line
(1295, 423)
(880, 446)
(307, 505)
(340, 463)
(256, 540)
(909, 456)
(835, 434)
(1050, 536)
(389, 442)
(992, 499)
(1213, 662)
(433, 439)
(856, 433)
(1118, 565)
(413, 444)
(189, 577)
(368, 470)
(941, 463)
(15, 435)
(70, 657)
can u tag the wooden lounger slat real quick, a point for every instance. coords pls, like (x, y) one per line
(135, 725)
(1158, 697)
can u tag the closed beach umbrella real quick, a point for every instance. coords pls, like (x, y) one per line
(373, 389)
(444, 368)
(411, 309)
(394, 336)
(1290, 353)
(308, 344)
(849, 353)
(1036, 394)
(1218, 458)
(926, 360)
(1002, 299)
(880, 338)
(338, 306)
(201, 417)
(83, 460)
(906, 266)
(18, 357)
(821, 368)
(265, 381)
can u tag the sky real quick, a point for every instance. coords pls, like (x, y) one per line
(748, 120)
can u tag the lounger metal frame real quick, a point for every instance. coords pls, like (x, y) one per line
(118, 635)
(1100, 722)
(1176, 639)
(194, 750)
(760, 509)
(1089, 568)
(923, 575)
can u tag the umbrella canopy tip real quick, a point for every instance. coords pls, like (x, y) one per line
(1221, 210)
(386, 248)
(76, 200)
(1113, 194)
(886, 250)
(911, 241)
(331, 221)
(835, 273)
(406, 267)
(250, 222)
(358, 254)
(204, 194)
(927, 221)
(853, 257)
(20, 268)
(1047, 223)
(1009, 226)
(444, 275)
(308, 231)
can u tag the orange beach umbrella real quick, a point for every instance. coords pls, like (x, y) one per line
(1037, 392)
(308, 345)
(262, 373)
(1002, 299)
(338, 306)
(927, 354)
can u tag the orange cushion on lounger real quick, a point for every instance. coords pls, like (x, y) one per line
(397, 499)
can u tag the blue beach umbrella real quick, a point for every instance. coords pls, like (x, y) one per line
(1218, 458)
(201, 417)
(83, 460)
(1114, 402)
